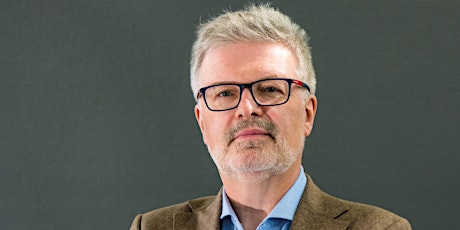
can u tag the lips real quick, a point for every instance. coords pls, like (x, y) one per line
(253, 128)
(250, 133)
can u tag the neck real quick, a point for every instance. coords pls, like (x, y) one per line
(252, 202)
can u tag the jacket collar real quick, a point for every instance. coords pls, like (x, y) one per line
(316, 210)
(205, 213)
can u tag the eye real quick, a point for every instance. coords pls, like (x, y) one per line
(226, 93)
(270, 89)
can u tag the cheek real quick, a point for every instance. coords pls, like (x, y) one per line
(213, 129)
(290, 122)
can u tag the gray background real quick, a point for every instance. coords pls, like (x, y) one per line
(97, 124)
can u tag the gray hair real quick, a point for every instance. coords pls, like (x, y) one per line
(252, 24)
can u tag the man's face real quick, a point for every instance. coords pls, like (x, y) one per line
(254, 141)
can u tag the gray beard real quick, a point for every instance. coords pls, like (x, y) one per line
(255, 161)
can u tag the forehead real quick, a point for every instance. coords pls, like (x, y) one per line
(246, 62)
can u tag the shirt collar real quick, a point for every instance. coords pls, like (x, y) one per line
(286, 207)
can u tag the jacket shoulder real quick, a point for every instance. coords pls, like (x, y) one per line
(163, 218)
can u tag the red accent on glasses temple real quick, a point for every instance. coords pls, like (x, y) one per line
(301, 83)
(298, 82)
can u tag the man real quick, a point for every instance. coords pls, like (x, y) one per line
(252, 75)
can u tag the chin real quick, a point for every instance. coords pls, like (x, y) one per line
(253, 174)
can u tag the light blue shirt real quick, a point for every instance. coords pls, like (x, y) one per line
(279, 218)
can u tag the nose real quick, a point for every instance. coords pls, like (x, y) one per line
(247, 107)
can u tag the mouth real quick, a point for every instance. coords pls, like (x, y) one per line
(251, 130)
(252, 133)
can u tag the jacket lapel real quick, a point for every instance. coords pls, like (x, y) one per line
(204, 214)
(318, 210)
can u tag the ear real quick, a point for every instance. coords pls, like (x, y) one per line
(199, 118)
(310, 111)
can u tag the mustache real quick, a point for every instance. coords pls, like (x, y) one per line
(259, 123)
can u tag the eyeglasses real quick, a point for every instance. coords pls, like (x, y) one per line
(266, 92)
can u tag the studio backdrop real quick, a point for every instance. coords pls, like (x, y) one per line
(97, 122)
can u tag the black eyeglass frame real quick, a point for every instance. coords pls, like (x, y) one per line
(202, 91)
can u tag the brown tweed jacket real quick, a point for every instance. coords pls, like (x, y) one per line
(316, 210)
